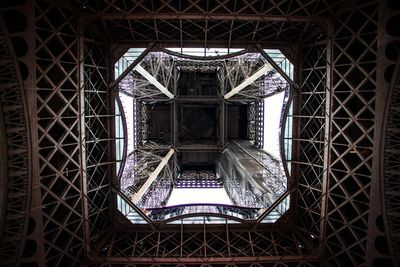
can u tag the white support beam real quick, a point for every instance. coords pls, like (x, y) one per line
(153, 81)
(152, 177)
(248, 81)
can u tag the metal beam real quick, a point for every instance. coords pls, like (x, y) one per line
(153, 81)
(276, 66)
(248, 81)
(132, 65)
(198, 260)
(152, 177)
(198, 16)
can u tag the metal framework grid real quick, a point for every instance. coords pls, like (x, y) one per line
(341, 206)
(97, 113)
(14, 152)
(390, 79)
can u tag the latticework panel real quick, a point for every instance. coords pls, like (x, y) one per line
(14, 145)
(310, 141)
(391, 74)
(98, 132)
(212, 22)
(354, 70)
(68, 77)
(204, 245)
(392, 138)
(256, 9)
(159, 66)
(138, 166)
(58, 134)
(251, 118)
(209, 264)
(392, 167)
(259, 124)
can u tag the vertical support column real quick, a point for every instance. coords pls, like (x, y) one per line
(222, 123)
(259, 129)
(17, 153)
(378, 225)
(139, 124)
(204, 237)
(31, 98)
(353, 136)
(181, 241)
(296, 129)
(143, 121)
(174, 117)
(228, 243)
(111, 102)
(82, 137)
(135, 123)
(251, 126)
(328, 132)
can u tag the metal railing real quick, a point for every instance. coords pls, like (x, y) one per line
(201, 213)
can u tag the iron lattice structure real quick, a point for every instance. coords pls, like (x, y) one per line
(136, 171)
(14, 158)
(344, 211)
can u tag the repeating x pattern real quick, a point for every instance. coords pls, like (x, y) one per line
(392, 142)
(71, 106)
(14, 145)
(58, 132)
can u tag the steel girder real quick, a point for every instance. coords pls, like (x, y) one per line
(389, 137)
(348, 185)
(15, 183)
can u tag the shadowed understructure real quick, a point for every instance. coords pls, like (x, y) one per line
(64, 141)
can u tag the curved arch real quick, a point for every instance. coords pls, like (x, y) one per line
(205, 214)
(282, 147)
(125, 137)
(210, 58)
(178, 212)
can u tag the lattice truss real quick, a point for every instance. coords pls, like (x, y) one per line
(352, 135)
(392, 141)
(158, 65)
(311, 140)
(392, 170)
(259, 133)
(15, 148)
(240, 68)
(186, 246)
(136, 171)
(205, 22)
(58, 131)
(264, 264)
(98, 114)
(231, 72)
(198, 179)
(333, 198)
(251, 126)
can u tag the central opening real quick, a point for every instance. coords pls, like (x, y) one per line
(204, 136)
(198, 123)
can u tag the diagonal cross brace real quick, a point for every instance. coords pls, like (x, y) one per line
(248, 81)
(153, 81)
(152, 177)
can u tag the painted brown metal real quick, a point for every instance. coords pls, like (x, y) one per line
(346, 180)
